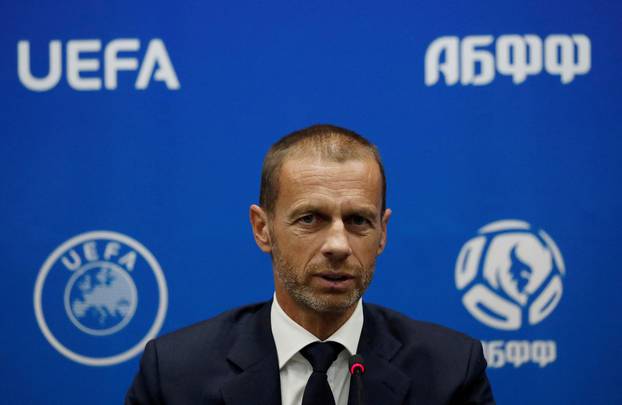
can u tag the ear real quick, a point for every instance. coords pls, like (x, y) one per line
(383, 236)
(261, 232)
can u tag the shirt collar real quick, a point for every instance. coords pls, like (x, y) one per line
(289, 337)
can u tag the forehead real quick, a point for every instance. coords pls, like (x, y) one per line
(304, 180)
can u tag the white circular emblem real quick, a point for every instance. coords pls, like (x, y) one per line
(510, 273)
(87, 297)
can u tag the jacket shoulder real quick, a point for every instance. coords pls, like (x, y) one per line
(426, 341)
(214, 335)
(406, 329)
(446, 366)
(189, 365)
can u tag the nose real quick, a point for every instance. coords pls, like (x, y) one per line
(336, 247)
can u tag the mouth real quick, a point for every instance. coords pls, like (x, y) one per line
(335, 281)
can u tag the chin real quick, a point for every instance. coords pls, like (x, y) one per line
(326, 302)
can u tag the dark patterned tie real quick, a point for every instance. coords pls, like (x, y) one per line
(321, 355)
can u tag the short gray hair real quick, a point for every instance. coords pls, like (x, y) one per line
(329, 142)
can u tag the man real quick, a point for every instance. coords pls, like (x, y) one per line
(322, 217)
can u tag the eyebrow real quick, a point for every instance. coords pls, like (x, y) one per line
(365, 210)
(305, 207)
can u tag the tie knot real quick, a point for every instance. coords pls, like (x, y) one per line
(321, 354)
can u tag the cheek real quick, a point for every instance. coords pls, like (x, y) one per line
(300, 239)
(298, 250)
(366, 249)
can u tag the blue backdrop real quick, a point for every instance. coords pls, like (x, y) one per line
(132, 141)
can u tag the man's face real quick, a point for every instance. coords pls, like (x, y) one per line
(326, 230)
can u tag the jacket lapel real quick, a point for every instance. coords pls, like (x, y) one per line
(254, 353)
(258, 382)
(383, 382)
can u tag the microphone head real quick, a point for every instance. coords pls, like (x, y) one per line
(356, 364)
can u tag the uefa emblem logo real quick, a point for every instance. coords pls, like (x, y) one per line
(99, 297)
(510, 274)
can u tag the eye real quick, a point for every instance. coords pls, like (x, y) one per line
(358, 221)
(308, 219)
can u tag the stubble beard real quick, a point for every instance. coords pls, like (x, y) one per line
(307, 297)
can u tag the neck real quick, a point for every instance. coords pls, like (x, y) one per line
(321, 324)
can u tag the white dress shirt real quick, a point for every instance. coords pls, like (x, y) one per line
(295, 370)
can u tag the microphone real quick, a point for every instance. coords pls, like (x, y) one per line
(356, 365)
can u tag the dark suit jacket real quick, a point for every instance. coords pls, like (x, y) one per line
(231, 359)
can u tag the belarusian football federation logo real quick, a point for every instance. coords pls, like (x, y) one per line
(100, 297)
(511, 274)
